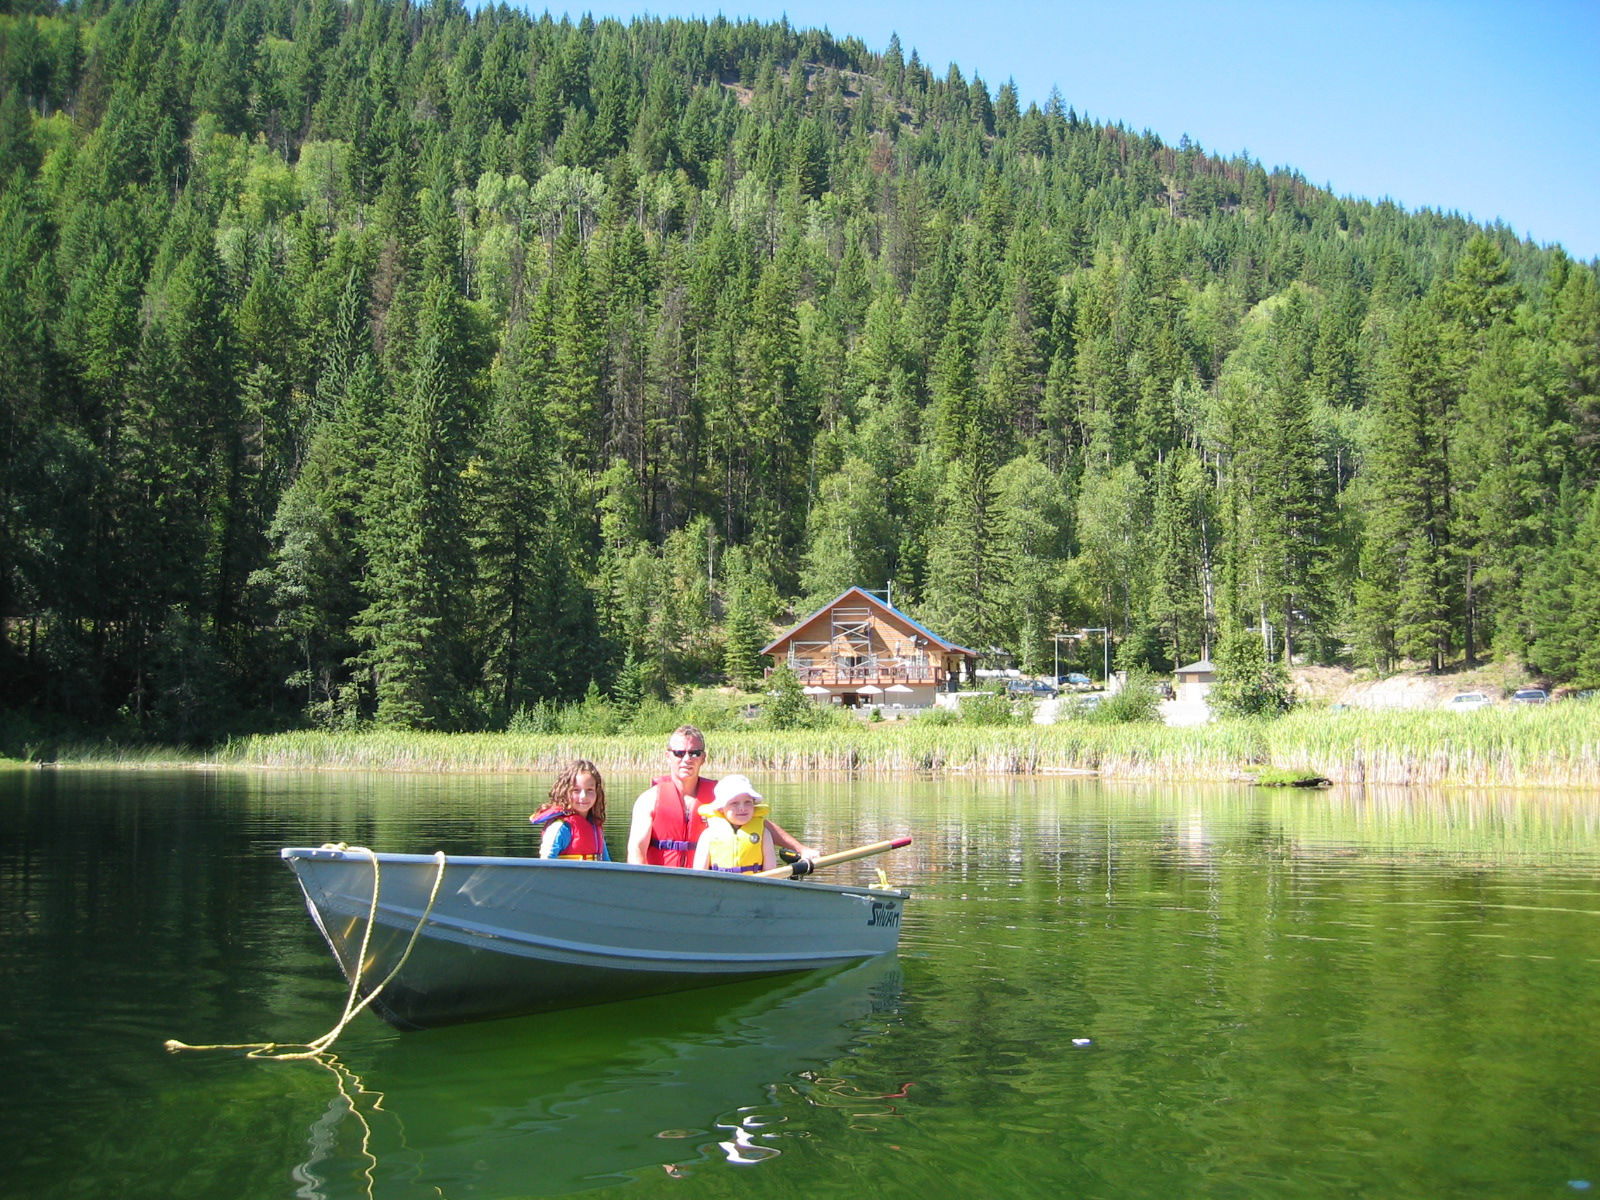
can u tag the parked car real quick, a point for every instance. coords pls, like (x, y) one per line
(1037, 688)
(1084, 705)
(1530, 696)
(1466, 701)
(1074, 680)
(1163, 690)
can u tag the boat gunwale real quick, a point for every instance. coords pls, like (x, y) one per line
(357, 854)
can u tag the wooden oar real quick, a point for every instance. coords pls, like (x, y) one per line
(839, 856)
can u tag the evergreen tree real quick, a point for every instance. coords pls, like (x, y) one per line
(415, 626)
(312, 584)
(1583, 590)
(1559, 631)
(1407, 546)
(573, 399)
(773, 420)
(536, 616)
(1183, 532)
(1247, 682)
(25, 414)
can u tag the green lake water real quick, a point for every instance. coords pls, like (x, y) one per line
(1101, 991)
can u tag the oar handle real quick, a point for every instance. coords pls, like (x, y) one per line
(838, 856)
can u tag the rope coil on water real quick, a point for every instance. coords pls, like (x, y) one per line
(314, 1049)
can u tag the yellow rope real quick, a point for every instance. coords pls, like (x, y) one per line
(315, 1049)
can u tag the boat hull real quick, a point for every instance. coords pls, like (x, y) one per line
(509, 936)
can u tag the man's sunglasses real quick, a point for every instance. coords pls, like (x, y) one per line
(686, 753)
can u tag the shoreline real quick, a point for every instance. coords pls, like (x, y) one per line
(1557, 747)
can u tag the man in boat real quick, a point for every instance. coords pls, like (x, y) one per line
(666, 816)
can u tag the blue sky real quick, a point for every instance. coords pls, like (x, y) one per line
(1488, 109)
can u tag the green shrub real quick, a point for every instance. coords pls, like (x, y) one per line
(706, 708)
(543, 717)
(786, 705)
(594, 714)
(655, 716)
(1137, 701)
(992, 707)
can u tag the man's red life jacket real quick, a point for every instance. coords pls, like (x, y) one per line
(673, 831)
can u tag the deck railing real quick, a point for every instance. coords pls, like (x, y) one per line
(845, 678)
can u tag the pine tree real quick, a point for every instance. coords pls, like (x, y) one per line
(1183, 532)
(1583, 591)
(1287, 543)
(573, 396)
(774, 416)
(420, 581)
(1552, 605)
(1407, 546)
(25, 415)
(744, 634)
(1247, 683)
(538, 638)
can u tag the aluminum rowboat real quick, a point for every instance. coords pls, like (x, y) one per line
(507, 936)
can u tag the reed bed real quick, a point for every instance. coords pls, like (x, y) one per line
(1558, 746)
(105, 752)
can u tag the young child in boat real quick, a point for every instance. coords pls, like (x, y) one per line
(736, 836)
(575, 818)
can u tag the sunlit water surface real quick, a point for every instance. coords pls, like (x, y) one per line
(1102, 991)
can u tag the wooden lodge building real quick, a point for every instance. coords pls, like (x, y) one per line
(857, 650)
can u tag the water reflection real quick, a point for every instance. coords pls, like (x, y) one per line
(574, 1101)
(1106, 990)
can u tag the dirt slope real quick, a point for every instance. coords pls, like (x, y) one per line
(1413, 689)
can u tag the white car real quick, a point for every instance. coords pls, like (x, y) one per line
(1085, 704)
(1466, 701)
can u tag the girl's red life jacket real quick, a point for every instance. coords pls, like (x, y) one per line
(586, 839)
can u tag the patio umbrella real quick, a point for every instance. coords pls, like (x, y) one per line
(899, 688)
(814, 689)
(870, 689)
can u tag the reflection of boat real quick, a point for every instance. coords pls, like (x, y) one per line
(573, 1101)
(501, 936)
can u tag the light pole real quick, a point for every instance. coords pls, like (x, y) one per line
(1105, 654)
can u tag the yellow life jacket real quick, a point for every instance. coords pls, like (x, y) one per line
(734, 849)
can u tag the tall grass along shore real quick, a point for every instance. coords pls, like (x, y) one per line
(1553, 746)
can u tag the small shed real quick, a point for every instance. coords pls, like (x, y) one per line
(859, 650)
(1194, 680)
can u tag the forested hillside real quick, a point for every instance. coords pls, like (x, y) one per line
(371, 361)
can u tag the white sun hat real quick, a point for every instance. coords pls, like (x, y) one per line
(731, 786)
